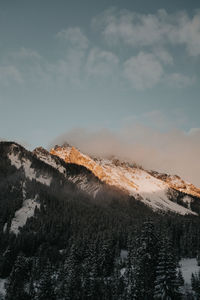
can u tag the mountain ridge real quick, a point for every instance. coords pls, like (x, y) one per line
(136, 181)
(94, 175)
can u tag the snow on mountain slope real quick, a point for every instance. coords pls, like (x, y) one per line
(84, 184)
(25, 163)
(136, 182)
(21, 215)
(45, 156)
(175, 182)
(81, 180)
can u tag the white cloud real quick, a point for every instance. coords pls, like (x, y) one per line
(164, 56)
(142, 30)
(179, 80)
(25, 53)
(194, 132)
(68, 69)
(187, 32)
(10, 73)
(131, 28)
(143, 71)
(74, 37)
(101, 63)
(82, 61)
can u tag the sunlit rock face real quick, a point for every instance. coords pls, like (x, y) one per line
(177, 183)
(72, 155)
(148, 187)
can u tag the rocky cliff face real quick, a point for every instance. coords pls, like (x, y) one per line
(149, 187)
(177, 183)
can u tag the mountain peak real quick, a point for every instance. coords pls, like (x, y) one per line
(146, 186)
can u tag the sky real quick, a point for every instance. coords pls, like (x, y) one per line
(121, 69)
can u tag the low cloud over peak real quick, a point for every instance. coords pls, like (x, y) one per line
(173, 151)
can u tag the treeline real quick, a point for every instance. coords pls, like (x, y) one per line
(99, 269)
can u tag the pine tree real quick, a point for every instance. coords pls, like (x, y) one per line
(117, 284)
(180, 278)
(195, 282)
(198, 258)
(166, 283)
(71, 284)
(47, 284)
(18, 279)
(145, 262)
(129, 276)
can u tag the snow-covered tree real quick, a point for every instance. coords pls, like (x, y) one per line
(166, 283)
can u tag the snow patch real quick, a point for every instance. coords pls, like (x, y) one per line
(47, 158)
(21, 215)
(84, 184)
(188, 266)
(28, 170)
(5, 227)
(15, 161)
(123, 254)
(2, 287)
(187, 200)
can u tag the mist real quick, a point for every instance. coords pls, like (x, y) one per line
(173, 151)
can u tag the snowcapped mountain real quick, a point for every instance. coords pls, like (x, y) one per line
(155, 190)
(28, 179)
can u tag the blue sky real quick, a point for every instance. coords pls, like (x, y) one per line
(98, 65)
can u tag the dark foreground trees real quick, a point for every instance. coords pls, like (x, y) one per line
(97, 268)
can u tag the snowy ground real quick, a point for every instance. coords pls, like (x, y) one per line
(123, 254)
(189, 266)
(2, 287)
(25, 212)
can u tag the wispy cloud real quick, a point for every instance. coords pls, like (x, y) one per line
(173, 151)
(101, 63)
(9, 74)
(179, 80)
(144, 30)
(74, 37)
(148, 62)
(143, 71)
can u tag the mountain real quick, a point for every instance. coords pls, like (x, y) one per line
(26, 174)
(159, 191)
(28, 178)
(78, 227)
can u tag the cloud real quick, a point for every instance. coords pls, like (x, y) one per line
(26, 66)
(10, 73)
(68, 70)
(187, 32)
(150, 30)
(179, 80)
(81, 62)
(25, 53)
(131, 28)
(73, 37)
(194, 132)
(164, 56)
(173, 151)
(101, 63)
(143, 71)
